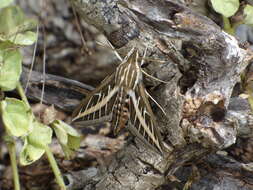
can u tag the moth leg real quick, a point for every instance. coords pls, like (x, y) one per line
(150, 76)
(159, 106)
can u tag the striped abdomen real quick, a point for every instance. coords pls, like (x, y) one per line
(121, 113)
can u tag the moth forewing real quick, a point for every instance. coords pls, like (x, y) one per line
(93, 102)
(143, 120)
(99, 105)
(102, 119)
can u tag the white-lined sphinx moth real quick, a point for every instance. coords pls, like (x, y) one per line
(122, 99)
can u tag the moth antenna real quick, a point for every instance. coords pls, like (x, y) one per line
(144, 55)
(150, 76)
(156, 103)
(114, 50)
(111, 46)
(129, 54)
(142, 62)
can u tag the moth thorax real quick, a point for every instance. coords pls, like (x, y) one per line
(128, 75)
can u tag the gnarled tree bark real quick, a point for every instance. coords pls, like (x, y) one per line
(201, 63)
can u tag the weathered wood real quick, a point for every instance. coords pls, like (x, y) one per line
(62, 92)
(202, 64)
(238, 109)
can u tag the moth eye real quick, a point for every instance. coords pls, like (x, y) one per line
(127, 100)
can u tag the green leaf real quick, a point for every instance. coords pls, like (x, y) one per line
(225, 7)
(35, 143)
(69, 129)
(17, 117)
(248, 12)
(30, 153)
(61, 134)
(74, 142)
(10, 19)
(68, 137)
(10, 68)
(26, 38)
(13, 22)
(5, 3)
(40, 136)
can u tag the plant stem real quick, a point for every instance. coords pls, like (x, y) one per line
(50, 156)
(227, 25)
(22, 94)
(55, 168)
(12, 152)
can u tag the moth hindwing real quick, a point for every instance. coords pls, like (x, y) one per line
(122, 99)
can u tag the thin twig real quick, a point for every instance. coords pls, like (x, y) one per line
(44, 65)
(79, 28)
(33, 59)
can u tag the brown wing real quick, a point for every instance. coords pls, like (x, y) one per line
(142, 120)
(98, 104)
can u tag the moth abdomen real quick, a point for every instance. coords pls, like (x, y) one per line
(121, 113)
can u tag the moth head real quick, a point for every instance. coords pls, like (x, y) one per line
(128, 73)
